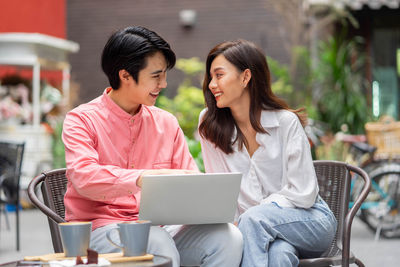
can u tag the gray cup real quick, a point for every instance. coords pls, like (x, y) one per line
(134, 237)
(75, 237)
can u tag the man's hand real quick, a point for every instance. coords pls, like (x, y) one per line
(162, 171)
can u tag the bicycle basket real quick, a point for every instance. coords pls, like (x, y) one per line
(385, 135)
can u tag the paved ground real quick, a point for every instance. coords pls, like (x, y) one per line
(36, 240)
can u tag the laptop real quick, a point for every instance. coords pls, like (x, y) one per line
(202, 198)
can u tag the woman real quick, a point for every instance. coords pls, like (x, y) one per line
(246, 128)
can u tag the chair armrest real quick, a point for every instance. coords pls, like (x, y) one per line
(35, 200)
(352, 212)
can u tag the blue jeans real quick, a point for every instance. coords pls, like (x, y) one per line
(275, 236)
(211, 245)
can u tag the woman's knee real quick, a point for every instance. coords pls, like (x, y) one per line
(257, 214)
(249, 216)
(267, 214)
(282, 253)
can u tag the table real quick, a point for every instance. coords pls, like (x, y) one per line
(158, 261)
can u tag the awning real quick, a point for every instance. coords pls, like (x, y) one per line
(357, 4)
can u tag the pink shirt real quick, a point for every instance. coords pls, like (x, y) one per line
(106, 149)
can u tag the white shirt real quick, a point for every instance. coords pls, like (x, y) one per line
(281, 170)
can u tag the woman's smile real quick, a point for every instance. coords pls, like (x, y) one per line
(217, 95)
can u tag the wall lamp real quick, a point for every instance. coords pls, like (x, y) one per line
(187, 18)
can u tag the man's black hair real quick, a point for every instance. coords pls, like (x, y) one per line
(128, 49)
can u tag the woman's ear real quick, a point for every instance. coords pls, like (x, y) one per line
(246, 77)
(124, 76)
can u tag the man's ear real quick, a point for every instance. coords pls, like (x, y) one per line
(246, 77)
(124, 76)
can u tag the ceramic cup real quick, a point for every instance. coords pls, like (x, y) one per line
(134, 237)
(75, 237)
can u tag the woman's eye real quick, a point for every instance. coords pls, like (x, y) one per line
(218, 75)
(156, 77)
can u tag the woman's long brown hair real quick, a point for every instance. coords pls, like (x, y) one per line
(218, 125)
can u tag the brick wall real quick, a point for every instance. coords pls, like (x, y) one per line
(91, 22)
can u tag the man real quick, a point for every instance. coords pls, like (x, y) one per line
(115, 139)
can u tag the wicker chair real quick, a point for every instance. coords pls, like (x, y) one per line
(53, 184)
(334, 183)
(11, 155)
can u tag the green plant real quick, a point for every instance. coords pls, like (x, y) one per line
(282, 84)
(294, 85)
(187, 104)
(186, 107)
(192, 67)
(58, 149)
(195, 150)
(341, 81)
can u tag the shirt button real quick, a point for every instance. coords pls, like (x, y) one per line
(133, 166)
(132, 120)
(130, 192)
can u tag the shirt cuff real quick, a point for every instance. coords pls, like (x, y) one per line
(281, 200)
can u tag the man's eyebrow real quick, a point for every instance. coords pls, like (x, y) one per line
(158, 71)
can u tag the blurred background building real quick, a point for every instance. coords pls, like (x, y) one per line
(276, 26)
(191, 27)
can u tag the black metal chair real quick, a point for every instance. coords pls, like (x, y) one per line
(11, 155)
(334, 180)
(53, 185)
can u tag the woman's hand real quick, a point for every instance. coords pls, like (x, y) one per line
(162, 171)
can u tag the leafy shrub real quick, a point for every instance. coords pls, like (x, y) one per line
(342, 84)
(187, 104)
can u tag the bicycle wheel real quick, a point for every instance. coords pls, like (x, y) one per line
(380, 210)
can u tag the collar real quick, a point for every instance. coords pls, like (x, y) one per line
(269, 119)
(111, 105)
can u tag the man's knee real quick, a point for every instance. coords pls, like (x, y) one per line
(161, 243)
(225, 246)
(231, 238)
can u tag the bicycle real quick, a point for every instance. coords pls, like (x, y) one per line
(380, 211)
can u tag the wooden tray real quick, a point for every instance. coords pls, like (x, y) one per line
(112, 257)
